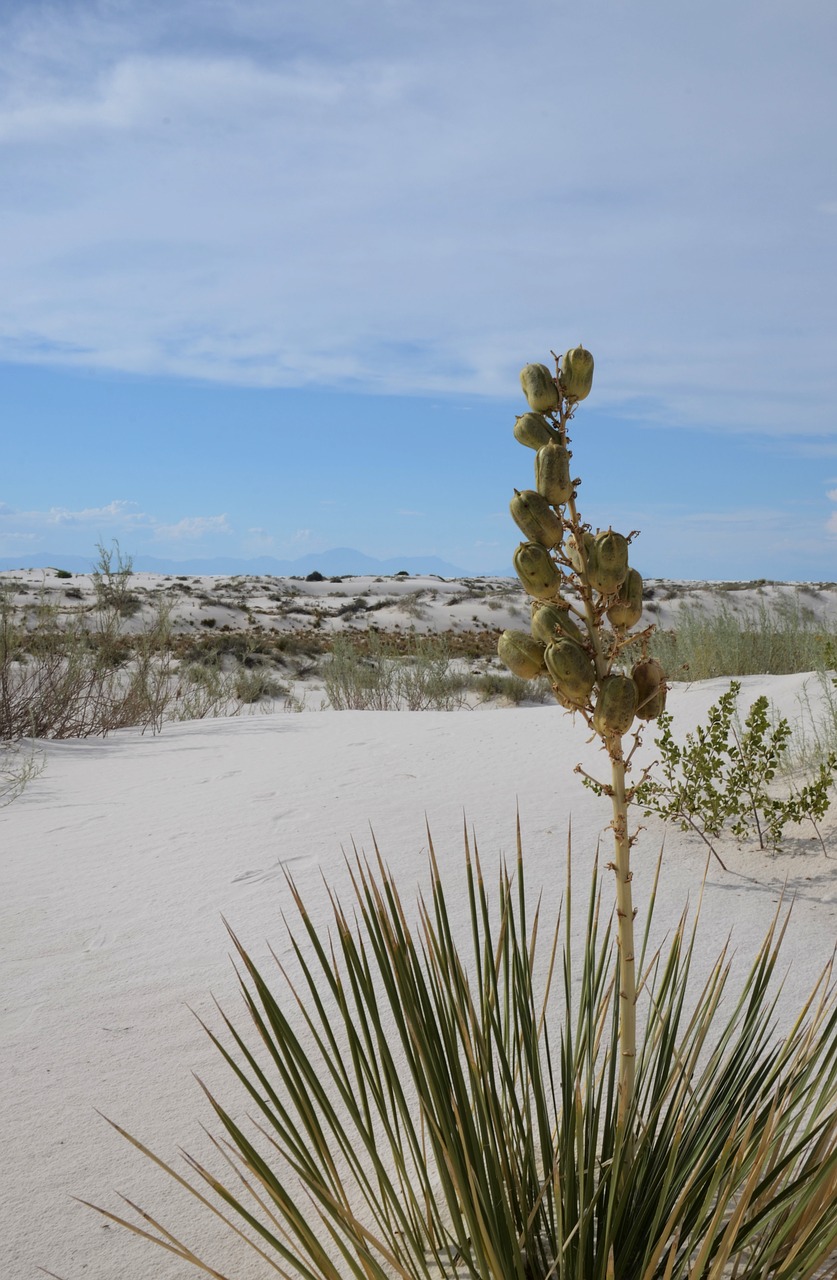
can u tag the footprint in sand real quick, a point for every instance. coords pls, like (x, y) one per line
(271, 873)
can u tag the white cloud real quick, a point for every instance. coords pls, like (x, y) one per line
(112, 520)
(832, 494)
(124, 513)
(327, 193)
(120, 513)
(192, 528)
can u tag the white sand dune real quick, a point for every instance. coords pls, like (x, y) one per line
(119, 860)
(421, 604)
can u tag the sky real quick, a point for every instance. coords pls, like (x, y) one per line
(269, 270)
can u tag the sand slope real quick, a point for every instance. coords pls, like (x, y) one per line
(117, 863)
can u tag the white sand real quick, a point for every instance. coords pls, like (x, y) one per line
(119, 860)
(422, 604)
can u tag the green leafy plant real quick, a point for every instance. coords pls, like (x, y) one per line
(719, 779)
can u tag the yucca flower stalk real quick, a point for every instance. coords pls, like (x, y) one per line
(589, 579)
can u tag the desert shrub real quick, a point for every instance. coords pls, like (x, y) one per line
(377, 676)
(774, 640)
(257, 683)
(496, 684)
(18, 766)
(63, 573)
(61, 681)
(721, 778)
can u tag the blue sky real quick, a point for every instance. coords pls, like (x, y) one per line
(269, 270)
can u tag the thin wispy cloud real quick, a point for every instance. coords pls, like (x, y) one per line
(112, 520)
(418, 198)
(193, 528)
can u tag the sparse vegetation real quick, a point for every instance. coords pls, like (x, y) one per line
(770, 641)
(379, 677)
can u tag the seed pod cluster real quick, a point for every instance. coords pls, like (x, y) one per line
(554, 537)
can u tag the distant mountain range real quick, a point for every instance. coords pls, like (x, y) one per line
(338, 561)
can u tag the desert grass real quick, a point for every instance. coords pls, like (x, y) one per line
(379, 677)
(767, 641)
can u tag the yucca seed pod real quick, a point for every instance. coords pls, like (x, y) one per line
(552, 473)
(608, 567)
(612, 552)
(539, 388)
(522, 655)
(535, 518)
(651, 687)
(626, 609)
(573, 554)
(571, 669)
(535, 569)
(533, 430)
(576, 376)
(616, 705)
(550, 622)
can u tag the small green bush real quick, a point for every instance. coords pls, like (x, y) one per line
(720, 778)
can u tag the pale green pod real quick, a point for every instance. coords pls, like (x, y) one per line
(651, 688)
(626, 609)
(616, 705)
(571, 669)
(576, 377)
(535, 518)
(539, 388)
(612, 552)
(533, 430)
(536, 570)
(521, 654)
(573, 553)
(552, 473)
(551, 622)
(607, 584)
(608, 566)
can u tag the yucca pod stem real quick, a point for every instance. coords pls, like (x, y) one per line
(625, 938)
(622, 858)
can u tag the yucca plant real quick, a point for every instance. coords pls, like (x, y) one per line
(423, 1108)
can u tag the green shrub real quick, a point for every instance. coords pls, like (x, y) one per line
(720, 778)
